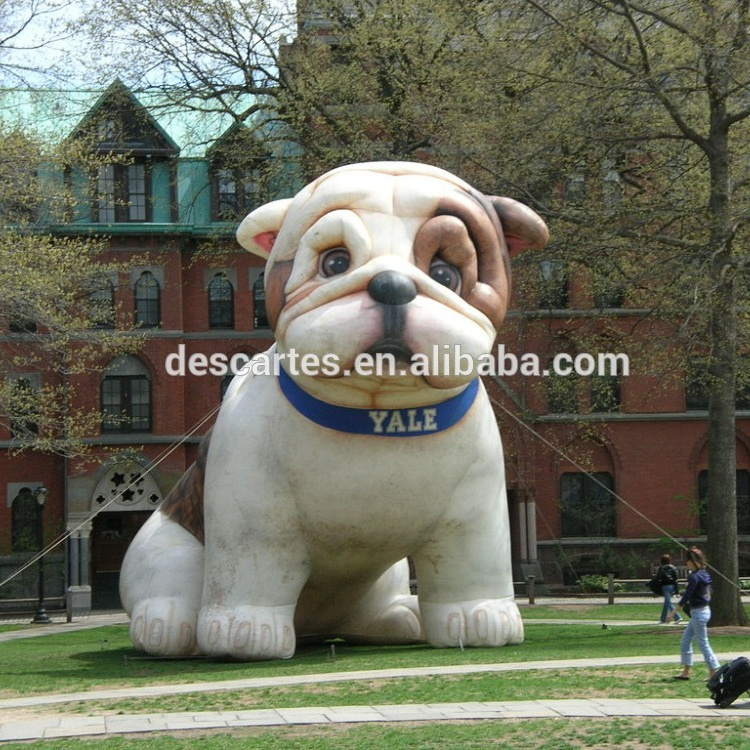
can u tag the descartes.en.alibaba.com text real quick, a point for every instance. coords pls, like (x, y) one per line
(446, 359)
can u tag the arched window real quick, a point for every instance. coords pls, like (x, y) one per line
(587, 506)
(259, 303)
(126, 397)
(220, 302)
(743, 501)
(102, 304)
(147, 301)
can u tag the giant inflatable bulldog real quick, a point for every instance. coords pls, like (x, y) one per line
(316, 484)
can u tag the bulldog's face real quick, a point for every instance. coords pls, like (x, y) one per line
(394, 259)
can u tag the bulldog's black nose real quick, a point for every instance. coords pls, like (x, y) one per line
(392, 288)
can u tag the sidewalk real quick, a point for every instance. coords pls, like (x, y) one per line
(87, 726)
(59, 724)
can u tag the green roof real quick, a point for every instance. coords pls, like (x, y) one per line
(55, 114)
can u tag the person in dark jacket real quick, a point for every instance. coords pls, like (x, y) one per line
(667, 577)
(698, 595)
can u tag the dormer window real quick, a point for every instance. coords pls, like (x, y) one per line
(239, 175)
(237, 192)
(133, 181)
(123, 193)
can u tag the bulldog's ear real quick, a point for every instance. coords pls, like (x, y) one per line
(523, 228)
(258, 229)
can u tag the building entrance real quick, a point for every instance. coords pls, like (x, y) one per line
(111, 535)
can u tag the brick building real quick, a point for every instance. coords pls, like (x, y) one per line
(169, 211)
(176, 200)
(603, 472)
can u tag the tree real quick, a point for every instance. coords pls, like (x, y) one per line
(217, 58)
(54, 319)
(666, 86)
(378, 90)
(622, 123)
(59, 321)
(35, 39)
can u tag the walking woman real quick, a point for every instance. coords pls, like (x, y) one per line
(698, 596)
(667, 577)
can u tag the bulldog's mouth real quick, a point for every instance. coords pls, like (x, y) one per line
(397, 349)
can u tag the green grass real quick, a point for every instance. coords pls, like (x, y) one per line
(103, 657)
(534, 734)
(613, 682)
(649, 610)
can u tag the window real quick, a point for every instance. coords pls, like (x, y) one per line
(147, 301)
(612, 189)
(696, 386)
(226, 381)
(102, 305)
(605, 394)
(21, 325)
(575, 188)
(587, 505)
(743, 501)
(126, 397)
(240, 168)
(25, 522)
(259, 304)
(23, 409)
(609, 291)
(562, 393)
(742, 402)
(220, 302)
(237, 192)
(122, 193)
(553, 285)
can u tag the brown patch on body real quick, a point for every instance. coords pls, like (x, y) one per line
(276, 279)
(184, 503)
(466, 232)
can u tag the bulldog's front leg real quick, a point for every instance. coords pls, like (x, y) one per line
(465, 583)
(250, 593)
(256, 565)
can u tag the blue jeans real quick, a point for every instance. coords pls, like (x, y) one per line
(697, 629)
(668, 608)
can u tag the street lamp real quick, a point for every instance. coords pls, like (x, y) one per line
(40, 618)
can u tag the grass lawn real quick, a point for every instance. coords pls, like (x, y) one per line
(103, 658)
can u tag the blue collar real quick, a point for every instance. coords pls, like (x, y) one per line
(422, 420)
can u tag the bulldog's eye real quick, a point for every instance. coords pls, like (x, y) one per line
(335, 262)
(446, 274)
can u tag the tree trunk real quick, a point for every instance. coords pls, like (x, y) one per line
(722, 487)
(722, 548)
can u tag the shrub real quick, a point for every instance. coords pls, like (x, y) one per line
(596, 584)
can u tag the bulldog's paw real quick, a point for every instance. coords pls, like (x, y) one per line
(397, 623)
(247, 633)
(400, 622)
(488, 623)
(164, 626)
